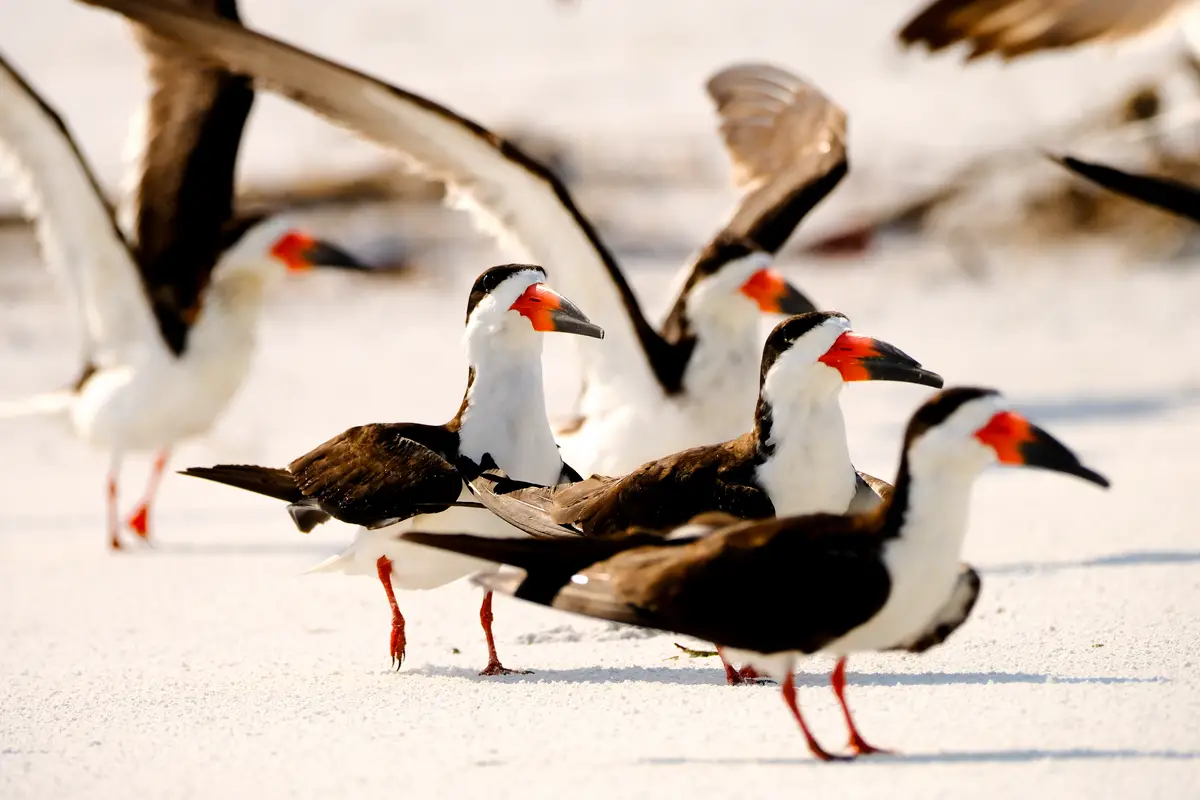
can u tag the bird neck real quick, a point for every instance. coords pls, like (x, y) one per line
(803, 458)
(504, 409)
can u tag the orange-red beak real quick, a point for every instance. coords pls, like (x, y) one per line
(547, 310)
(300, 252)
(775, 295)
(861, 358)
(1018, 441)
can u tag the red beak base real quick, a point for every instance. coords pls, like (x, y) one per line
(848, 354)
(292, 249)
(547, 310)
(1005, 433)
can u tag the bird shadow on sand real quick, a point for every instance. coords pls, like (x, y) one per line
(1077, 409)
(951, 757)
(716, 677)
(315, 549)
(1144, 558)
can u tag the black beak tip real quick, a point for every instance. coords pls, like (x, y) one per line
(1093, 477)
(928, 378)
(796, 302)
(325, 254)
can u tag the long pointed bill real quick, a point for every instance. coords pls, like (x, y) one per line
(547, 310)
(861, 358)
(1018, 441)
(775, 295)
(301, 252)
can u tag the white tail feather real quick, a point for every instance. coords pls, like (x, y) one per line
(47, 404)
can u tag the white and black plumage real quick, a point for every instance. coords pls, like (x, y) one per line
(771, 591)
(386, 475)
(169, 315)
(646, 392)
(1016, 28)
(794, 459)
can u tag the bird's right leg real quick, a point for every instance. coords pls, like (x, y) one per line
(397, 643)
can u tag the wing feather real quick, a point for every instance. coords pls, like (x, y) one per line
(512, 196)
(79, 239)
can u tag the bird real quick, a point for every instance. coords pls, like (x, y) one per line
(1016, 28)
(793, 460)
(646, 392)
(772, 590)
(168, 313)
(1170, 195)
(382, 474)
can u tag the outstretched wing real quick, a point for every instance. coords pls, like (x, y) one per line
(184, 146)
(514, 197)
(1013, 28)
(787, 142)
(75, 228)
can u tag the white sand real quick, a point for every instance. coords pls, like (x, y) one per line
(210, 666)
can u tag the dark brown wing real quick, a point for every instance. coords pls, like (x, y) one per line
(1164, 193)
(1013, 28)
(787, 142)
(378, 474)
(666, 493)
(768, 586)
(183, 199)
(870, 493)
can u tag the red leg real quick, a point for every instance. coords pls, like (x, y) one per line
(736, 677)
(857, 743)
(114, 526)
(494, 667)
(139, 519)
(397, 642)
(789, 697)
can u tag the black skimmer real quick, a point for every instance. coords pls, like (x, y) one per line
(169, 316)
(646, 392)
(889, 579)
(387, 473)
(1170, 195)
(1015, 28)
(794, 460)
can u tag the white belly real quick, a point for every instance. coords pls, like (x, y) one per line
(921, 586)
(159, 402)
(416, 566)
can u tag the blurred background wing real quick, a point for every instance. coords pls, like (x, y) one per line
(787, 142)
(183, 151)
(1013, 28)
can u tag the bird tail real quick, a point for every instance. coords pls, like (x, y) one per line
(548, 563)
(271, 481)
(48, 404)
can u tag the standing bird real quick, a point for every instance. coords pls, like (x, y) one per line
(772, 591)
(793, 460)
(169, 317)
(645, 392)
(1016, 28)
(387, 473)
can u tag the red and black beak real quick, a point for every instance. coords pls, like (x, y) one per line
(861, 358)
(1018, 441)
(547, 310)
(775, 295)
(301, 252)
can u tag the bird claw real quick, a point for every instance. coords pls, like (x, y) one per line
(397, 646)
(496, 668)
(860, 747)
(139, 523)
(746, 676)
